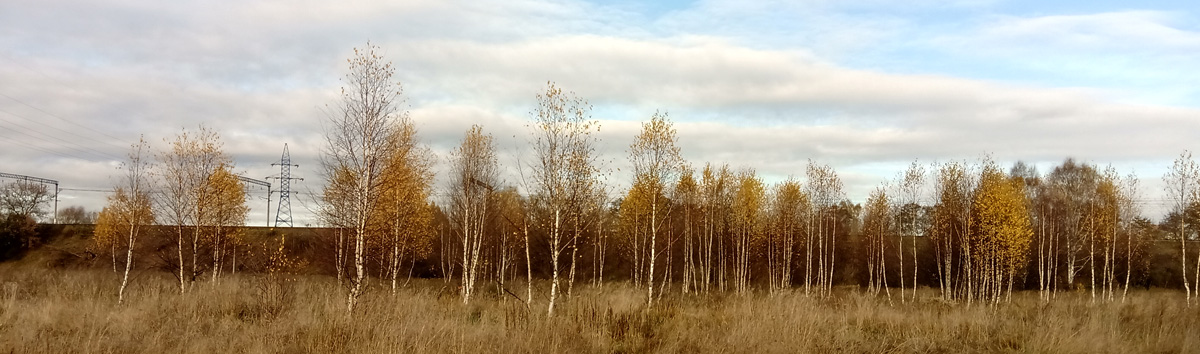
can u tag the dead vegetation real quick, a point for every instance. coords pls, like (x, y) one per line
(62, 310)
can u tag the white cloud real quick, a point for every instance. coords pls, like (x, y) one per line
(1127, 30)
(261, 72)
(1143, 56)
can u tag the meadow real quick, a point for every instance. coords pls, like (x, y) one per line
(55, 310)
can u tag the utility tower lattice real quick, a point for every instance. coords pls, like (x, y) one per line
(283, 213)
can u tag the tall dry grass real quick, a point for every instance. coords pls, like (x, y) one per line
(60, 311)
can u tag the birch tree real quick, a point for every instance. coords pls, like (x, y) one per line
(514, 209)
(227, 214)
(789, 206)
(951, 226)
(1039, 194)
(1104, 217)
(129, 209)
(747, 213)
(634, 216)
(1002, 235)
(910, 197)
(656, 162)
(1074, 188)
(405, 216)
(473, 177)
(509, 220)
(107, 235)
(1130, 215)
(825, 190)
(715, 200)
(1181, 182)
(586, 199)
(185, 201)
(358, 144)
(336, 211)
(564, 155)
(687, 196)
(877, 228)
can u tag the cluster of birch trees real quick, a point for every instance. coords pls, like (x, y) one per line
(968, 228)
(377, 194)
(189, 188)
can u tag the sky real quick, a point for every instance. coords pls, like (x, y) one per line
(867, 87)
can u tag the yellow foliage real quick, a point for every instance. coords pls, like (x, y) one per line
(278, 260)
(106, 233)
(1002, 231)
(226, 202)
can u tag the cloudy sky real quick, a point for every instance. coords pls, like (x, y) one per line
(865, 86)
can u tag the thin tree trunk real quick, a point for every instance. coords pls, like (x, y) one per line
(832, 256)
(554, 239)
(1055, 256)
(1183, 258)
(1197, 274)
(179, 249)
(356, 284)
(821, 250)
(195, 248)
(601, 237)
(653, 254)
(914, 257)
(808, 251)
(339, 256)
(128, 264)
(528, 266)
(787, 258)
(396, 253)
(883, 283)
(467, 249)
(1092, 249)
(216, 255)
(900, 252)
(707, 265)
(1043, 285)
(669, 275)
(1128, 264)
(574, 257)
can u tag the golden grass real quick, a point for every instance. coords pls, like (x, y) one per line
(75, 311)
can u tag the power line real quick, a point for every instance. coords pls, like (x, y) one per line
(86, 190)
(60, 83)
(61, 118)
(260, 183)
(39, 72)
(36, 148)
(78, 152)
(65, 143)
(39, 122)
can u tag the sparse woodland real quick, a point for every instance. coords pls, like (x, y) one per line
(694, 256)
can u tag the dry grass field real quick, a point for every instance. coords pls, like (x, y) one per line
(75, 311)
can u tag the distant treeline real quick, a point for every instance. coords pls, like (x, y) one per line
(311, 252)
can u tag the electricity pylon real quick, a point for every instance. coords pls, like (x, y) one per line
(283, 213)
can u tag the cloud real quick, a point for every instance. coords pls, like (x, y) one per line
(1126, 30)
(262, 74)
(698, 74)
(1143, 56)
